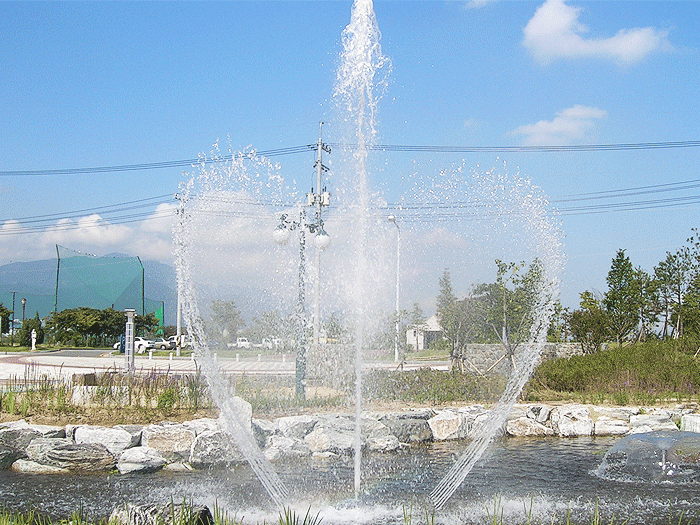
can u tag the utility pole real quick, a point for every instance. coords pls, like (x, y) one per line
(319, 200)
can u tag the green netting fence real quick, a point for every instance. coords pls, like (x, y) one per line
(80, 280)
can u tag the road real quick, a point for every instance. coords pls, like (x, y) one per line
(63, 364)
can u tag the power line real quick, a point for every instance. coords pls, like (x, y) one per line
(379, 147)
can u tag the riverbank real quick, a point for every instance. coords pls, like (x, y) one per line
(207, 441)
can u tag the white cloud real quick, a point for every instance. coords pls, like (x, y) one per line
(556, 32)
(571, 124)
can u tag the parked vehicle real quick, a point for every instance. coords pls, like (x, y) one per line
(162, 344)
(142, 344)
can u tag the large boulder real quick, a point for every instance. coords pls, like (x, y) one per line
(116, 439)
(690, 422)
(660, 420)
(18, 434)
(332, 435)
(606, 426)
(161, 514)
(9, 455)
(281, 447)
(526, 427)
(539, 413)
(297, 426)
(409, 430)
(447, 424)
(140, 459)
(572, 421)
(172, 440)
(26, 466)
(215, 447)
(84, 457)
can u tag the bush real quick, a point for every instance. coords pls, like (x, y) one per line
(652, 367)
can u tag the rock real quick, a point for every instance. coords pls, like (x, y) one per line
(140, 459)
(72, 456)
(478, 425)
(49, 431)
(38, 449)
(690, 422)
(26, 466)
(164, 514)
(18, 435)
(656, 421)
(606, 426)
(621, 413)
(524, 426)
(263, 430)
(172, 440)
(9, 455)
(387, 443)
(447, 424)
(539, 413)
(409, 430)
(296, 426)
(572, 421)
(116, 439)
(334, 434)
(203, 424)
(215, 447)
(282, 447)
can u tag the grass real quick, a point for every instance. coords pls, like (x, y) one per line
(640, 374)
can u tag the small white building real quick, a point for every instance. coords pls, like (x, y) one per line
(419, 336)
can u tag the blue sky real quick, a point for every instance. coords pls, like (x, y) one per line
(119, 83)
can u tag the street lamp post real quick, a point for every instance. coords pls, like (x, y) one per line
(392, 218)
(322, 240)
(24, 304)
(318, 200)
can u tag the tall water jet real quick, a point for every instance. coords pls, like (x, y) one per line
(355, 92)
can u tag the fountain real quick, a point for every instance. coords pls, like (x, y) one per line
(460, 218)
(357, 289)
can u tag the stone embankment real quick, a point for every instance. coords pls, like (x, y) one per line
(204, 443)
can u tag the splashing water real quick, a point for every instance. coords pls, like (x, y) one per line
(355, 88)
(200, 197)
(227, 209)
(519, 211)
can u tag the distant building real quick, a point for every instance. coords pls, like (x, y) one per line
(419, 336)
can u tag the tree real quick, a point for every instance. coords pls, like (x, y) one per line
(5, 314)
(622, 300)
(271, 325)
(673, 277)
(507, 305)
(226, 318)
(25, 333)
(449, 313)
(590, 324)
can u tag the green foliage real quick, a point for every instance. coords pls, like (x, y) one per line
(622, 301)
(429, 386)
(226, 318)
(24, 336)
(589, 325)
(653, 367)
(5, 314)
(168, 398)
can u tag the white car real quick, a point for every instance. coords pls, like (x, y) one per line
(141, 344)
